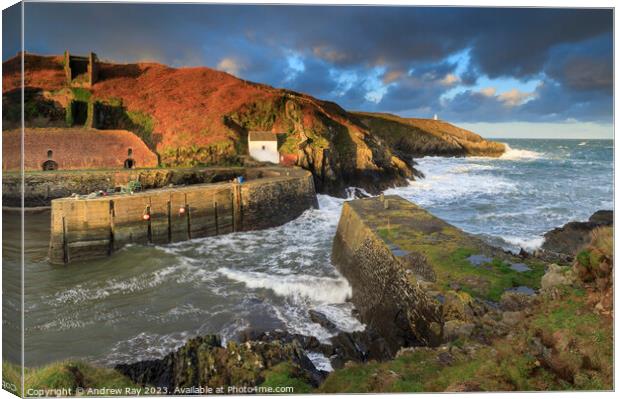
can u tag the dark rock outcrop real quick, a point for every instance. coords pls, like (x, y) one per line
(356, 346)
(321, 319)
(204, 362)
(570, 238)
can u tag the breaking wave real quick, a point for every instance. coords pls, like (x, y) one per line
(296, 286)
(528, 244)
(519, 154)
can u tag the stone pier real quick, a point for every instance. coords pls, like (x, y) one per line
(405, 267)
(84, 229)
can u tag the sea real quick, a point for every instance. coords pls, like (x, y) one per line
(145, 301)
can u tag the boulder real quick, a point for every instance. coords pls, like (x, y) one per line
(458, 305)
(602, 218)
(512, 318)
(556, 276)
(515, 301)
(357, 346)
(308, 343)
(456, 329)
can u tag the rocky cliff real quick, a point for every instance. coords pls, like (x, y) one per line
(420, 137)
(200, 116)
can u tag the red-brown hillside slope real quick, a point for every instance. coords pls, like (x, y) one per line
(202, 116)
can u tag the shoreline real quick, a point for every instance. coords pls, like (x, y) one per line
(283, 344)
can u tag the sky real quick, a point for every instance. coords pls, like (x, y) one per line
(503, 72)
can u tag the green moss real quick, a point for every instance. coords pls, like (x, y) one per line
(220, 153)
(283, 375)
(81, 94)
(447, 249)
(69, 114)
(571, 314)
(342, 140)
(142, 125)
(259, 115)
(114, 102)
(489, 280)
(67, 374)
(583, 258)
(11, 378)
(290, 144)
(352, 379)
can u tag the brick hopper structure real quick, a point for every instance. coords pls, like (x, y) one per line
(75, 149)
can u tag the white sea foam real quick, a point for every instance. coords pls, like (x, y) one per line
(85, 293)
(450, 180)
(528, 244)
(341, 316)
(316, 289)
(320, 361)
(513, 154)
(145, 346)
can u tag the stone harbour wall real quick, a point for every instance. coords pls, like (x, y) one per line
(84, 229)
(388, 300)
(40, 188)
(417, 280)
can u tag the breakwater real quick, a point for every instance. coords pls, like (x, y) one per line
(387, 297)
(40, 187)
(91, 228)
(412, 274)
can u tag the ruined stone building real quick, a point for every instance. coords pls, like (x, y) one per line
(81, 71)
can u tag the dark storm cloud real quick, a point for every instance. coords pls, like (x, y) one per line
(414, 47)
(517, 42)
(584, 68)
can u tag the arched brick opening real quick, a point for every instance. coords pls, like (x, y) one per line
(130, 163)
(50, 164)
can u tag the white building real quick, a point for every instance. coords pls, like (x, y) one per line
(263, 146)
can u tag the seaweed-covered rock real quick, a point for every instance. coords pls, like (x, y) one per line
(458, 305)
(204, 362)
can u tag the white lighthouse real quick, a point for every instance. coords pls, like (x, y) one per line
(435, 117)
